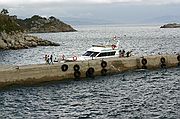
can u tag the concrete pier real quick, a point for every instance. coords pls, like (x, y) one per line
(32, 74)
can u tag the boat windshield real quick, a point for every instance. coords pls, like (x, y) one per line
(90, 53)
(94, 54)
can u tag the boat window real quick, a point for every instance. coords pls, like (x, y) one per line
(106, 54)
(94, 54)
(88, 53)
(111, 53)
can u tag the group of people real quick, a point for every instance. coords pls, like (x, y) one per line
(49, 59)
(122, 53)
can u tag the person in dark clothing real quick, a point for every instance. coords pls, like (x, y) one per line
(51, 59)
(128, 54)
(123, 52)
(120, 53)
(46, 57)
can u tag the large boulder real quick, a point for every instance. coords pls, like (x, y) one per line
(3, 35)
(3, 45)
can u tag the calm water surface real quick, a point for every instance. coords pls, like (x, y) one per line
(142, 40)
(134, 94)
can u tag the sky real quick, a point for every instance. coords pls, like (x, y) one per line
(98, 11)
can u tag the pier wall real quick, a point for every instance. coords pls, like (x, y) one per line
(33, 74)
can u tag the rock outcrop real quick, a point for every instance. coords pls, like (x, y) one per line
(12, 35)
(38, 24)
(173, 25)
(7, 24)
(20, 41)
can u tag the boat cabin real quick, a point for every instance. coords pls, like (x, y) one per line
(101, 51)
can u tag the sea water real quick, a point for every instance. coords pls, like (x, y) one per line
(134, 94)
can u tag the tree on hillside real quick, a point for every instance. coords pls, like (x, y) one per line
(4, 11)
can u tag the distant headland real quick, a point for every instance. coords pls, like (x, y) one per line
(173, 25)
(13, 31)
(38, 24)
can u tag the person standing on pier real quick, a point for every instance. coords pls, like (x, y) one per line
(51, 59)
(46, 58)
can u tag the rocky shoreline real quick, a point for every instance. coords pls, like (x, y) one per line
(19, 40)
(13, 31)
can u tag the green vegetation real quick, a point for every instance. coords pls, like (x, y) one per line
(41, 24)
(4, 11)
(8, 25)
(28, 23)
(34, 24)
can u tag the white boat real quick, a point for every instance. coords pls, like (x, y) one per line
(109, 50)
(101, 52)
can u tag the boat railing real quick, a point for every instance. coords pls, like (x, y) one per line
(104, 46)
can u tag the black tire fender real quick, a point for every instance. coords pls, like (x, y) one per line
(104, 72)
(163, 60)
(178, 58)
(76, 67)
(77, 74)
(144, 61)
(163, 65)
(64, 67)
(103, 64)
(90, 72)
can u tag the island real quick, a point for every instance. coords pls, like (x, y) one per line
(172, 25)
(14, 31)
